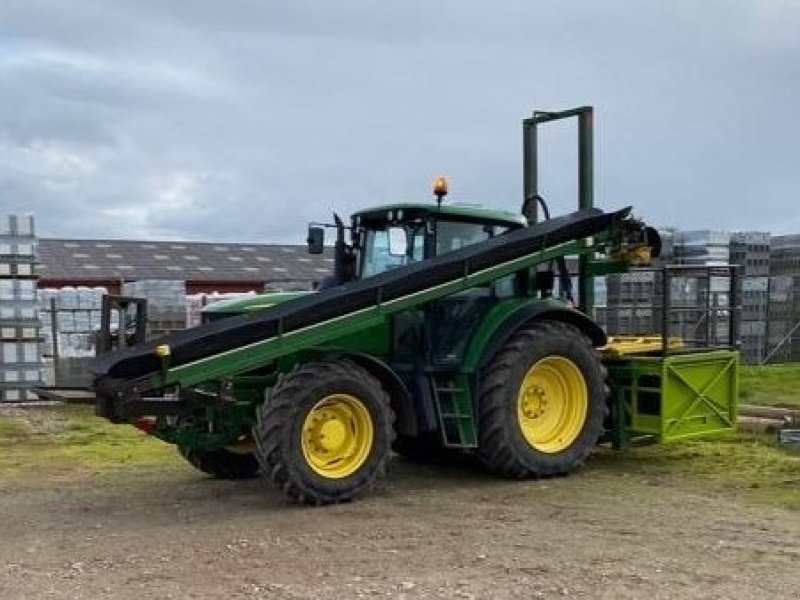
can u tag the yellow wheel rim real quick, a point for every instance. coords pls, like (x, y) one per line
(552, 404)
(337, 436)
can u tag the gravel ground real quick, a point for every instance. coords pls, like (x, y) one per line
(433, 531)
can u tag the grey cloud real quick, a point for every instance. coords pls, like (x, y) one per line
(209, 120)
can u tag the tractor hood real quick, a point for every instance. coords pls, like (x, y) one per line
(251, 304)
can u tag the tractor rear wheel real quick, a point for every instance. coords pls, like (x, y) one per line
(222, 463)
(542, 402)
(324, 432)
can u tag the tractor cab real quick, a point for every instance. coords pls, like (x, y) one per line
(384, 238)
(397, 235)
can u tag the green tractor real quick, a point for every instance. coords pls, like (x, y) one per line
(444, 326)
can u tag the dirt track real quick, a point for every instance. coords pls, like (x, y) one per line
(431, 531)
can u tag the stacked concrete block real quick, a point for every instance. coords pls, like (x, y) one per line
(700, 308)
(780, 319)
(707, 324)
(784, 309)
(71, 320)
(20, 328)
(754, 315)
(703, 247)
(633, 303)
(630, 303)
(166, 303)
(750, 250)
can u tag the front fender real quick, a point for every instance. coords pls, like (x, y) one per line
(401, 400)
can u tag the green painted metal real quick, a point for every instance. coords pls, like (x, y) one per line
(674, 397)
(599, 268)
(491, 323)
(700, 394)
(585, 200)
(250, 304)
(210, 428)
(374, 341)
(456, 211)
(664, 398)
(455, 406)
(530, 137)
(252, 356)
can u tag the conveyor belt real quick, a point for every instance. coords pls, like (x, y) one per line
(227, 334)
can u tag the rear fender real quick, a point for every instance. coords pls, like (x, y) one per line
(502, 330)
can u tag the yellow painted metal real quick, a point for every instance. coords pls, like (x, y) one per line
(618, 346)
(552, 404)
(638, 256)
(337, 436)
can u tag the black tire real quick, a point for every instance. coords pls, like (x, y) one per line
(280, 420)
(426, 446)
(222, 464)
(503, 447)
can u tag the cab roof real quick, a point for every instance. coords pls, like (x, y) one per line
(454, 210)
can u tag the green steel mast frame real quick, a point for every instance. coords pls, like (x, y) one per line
(530, 158)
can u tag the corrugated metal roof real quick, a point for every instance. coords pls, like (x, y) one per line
(191, 261)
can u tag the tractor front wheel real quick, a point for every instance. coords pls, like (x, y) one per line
(324, 432)
(542, 402)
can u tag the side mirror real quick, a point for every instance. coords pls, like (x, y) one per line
(315, 240)
(398, 241)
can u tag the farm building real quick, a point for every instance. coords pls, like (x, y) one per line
(205, 267)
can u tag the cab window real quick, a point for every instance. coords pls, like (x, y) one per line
(453, 235)
(377, 258)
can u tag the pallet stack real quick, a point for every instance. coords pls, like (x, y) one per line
(20, 328)
(703, 247)
(166, 303)
(783, 329)
(70, 320)
(634, 303)
(750, 250)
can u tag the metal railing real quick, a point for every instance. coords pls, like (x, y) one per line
(690, 307)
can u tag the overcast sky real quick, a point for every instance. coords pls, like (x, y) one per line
(242, 121)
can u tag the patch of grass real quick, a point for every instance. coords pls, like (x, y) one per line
(11, 430)
(771, 385)
(749, 464)
(65, 441)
